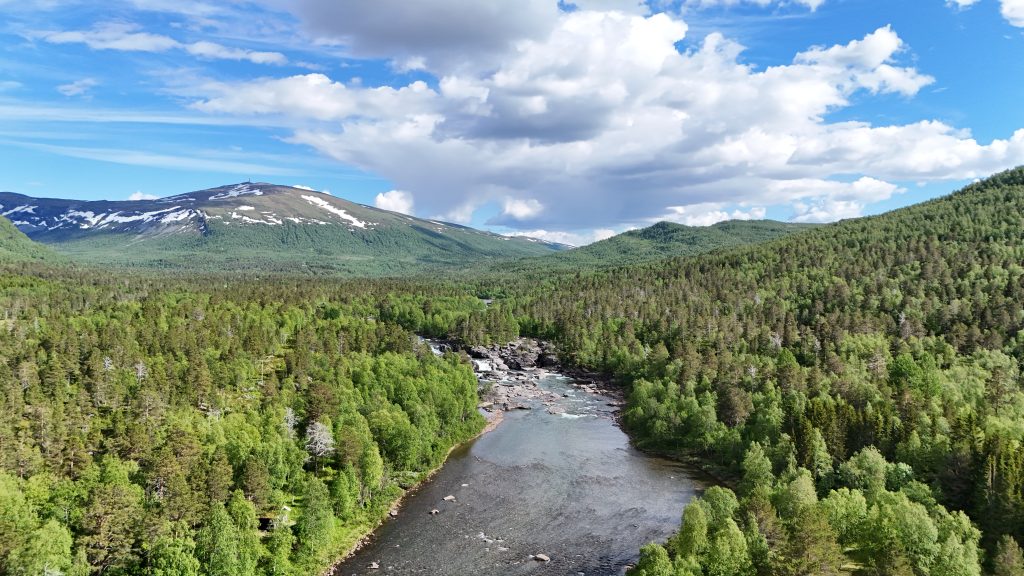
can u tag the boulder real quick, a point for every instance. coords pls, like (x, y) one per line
(548, 360)
(478, 352)
(449, 498)
(542, 558)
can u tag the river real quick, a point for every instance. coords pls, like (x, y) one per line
(568, 486)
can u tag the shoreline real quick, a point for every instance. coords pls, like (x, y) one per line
(494, 419)
(586, 381)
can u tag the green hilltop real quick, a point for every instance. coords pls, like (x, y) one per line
(658, 242)
(15, 246)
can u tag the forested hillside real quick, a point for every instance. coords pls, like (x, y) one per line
(16, 247)
(860, 381)
(856, 386)
(217, 428)
(657, 242)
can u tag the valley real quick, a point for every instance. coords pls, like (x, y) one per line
(514, 287)
(843, 381)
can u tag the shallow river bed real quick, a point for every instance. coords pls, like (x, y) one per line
(568, 486)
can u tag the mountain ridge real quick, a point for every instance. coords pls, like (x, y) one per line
(258, 226)
(659, 241)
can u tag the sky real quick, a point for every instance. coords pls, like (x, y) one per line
(569, 121)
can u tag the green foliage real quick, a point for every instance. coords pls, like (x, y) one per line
(154, 427)
(692, 538)
(1008, 559)
(861, 382)
(757, 470)
(16, 247)
(653, 562)
(173, 557)
(46, 551)
(218, 545)
(314, 526)
(882, 355)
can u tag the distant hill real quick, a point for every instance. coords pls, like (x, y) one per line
(657, 242)
(258, 227)
(16, 247)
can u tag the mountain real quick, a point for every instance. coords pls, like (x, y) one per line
(657, 242)
(257, 227)
(16, 247)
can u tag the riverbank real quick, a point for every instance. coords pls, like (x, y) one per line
(525, 380)
(557, 480)
(493, 421)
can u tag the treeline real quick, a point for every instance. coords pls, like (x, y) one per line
(158, 426)
(897, 336)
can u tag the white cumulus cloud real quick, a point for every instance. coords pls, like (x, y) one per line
(709, 213)
(1013, 11)
(395, 201)
(139, 195)
(517, 209)
(595, 119)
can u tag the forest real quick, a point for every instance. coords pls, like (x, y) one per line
(171, 428)
(858, 385)
(856, 388)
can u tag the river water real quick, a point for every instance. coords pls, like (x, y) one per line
(565, 485)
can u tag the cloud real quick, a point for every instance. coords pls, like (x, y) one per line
(216, 51)
(127, 37)
(599, 120)
(312, 96)
(78, 87)
(434, 32)
(811, 4)
(627, 6)
(157, 160)
(395, 201)
(516, 209)
(1013, 11)
(709, 213)
(578, 238)
(113, 36)
(139, 195)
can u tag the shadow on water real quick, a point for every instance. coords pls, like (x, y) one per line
(569, 486)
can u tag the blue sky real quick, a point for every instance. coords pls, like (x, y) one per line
(569, 122)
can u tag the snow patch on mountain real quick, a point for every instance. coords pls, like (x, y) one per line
(320, 202)
(26, 209)
(89, 218)
(117, 218)
(236, 191)
(271, 221)
(178, 216)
